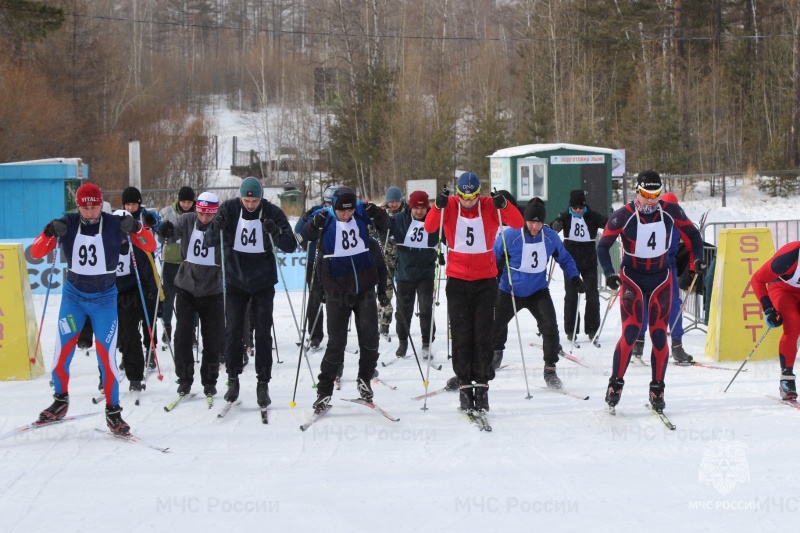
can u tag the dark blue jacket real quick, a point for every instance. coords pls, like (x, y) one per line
(413, 264)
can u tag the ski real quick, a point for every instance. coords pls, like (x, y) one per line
(227, 407)
(379, 380)
(313, 418)
(386, 337)
(710, 367)
(39, 425)
(790, 403)
(432, 393)
(566, 393)
(264, 415)
(661, 416)
(596, 343)
(354, 352)
(98, 399)
(501, 367)
(478, 418)
(133, 439)
(210, 401)
(574, 359)
(393, 361)
(179, 399)
(372, 406)
(639, 361)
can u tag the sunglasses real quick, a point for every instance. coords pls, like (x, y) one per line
(650, 195)
(469, 197)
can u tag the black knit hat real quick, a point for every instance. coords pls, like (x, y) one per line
(344, 198)
(131, 195)
(535, 210)
(577, 198)
(186, 194)
(649, 180)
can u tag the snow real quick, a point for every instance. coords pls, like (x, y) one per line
(552, 463)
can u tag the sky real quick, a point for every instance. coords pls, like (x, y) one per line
(551, 463)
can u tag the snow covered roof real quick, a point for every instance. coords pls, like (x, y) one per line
(526, 149)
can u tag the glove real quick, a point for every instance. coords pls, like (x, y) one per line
(613, 282)
(383, 299)
(219, 222)
(270, 227)
(441, 260)
(772, 318)
(499, 200)
(557, 225)
(55, 228)
(167, 230)
(372, 210)
(579, 285)
(319, 220)
(149, 220)
(685, 280)
(129, 225)
(700, 266)
(442, 199)
(124, 249)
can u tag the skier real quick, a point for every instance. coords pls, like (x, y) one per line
(198, 284)
(470, 223)
(777, 286)
(90, 241)
(415, 270)
(394, 204)
(348, 271)
(679, 283)
(132, 203)
(315, 314)
(644, 227)
(528, 252)
(171, 252)
(249, 224)
(580, 225)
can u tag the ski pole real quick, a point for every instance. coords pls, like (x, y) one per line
(689, 291)
(575, 327)
(611, 300)
(514, 304)
(144, 307)
(407, 326)
(224, 285)
(44, 309)
(275, 342)
(764, 336)
(435, 299)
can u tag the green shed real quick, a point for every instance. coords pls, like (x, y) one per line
(551, 171)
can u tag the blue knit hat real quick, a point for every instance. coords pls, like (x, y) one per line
(468, 184)
(251, 188)
(394, 194)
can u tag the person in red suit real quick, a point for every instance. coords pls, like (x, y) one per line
(777, 286)
(470, 223)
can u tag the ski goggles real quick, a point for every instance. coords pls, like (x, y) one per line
(469, 196)
(648, 194)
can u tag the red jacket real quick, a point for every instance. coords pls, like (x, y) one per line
(780, 268)
(472, 267)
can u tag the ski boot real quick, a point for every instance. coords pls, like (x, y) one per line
(262, 394)
(210, 390)
(365, 390)
(115, 422)
(657, 396)
(402, 348)
(57, 410)
(426, 352)
(497, 360)
(136, 386)
(481, 394)
(385, 331)
(638, 348)
(679, 354)
(551, 378)
(322, 404)
(466, 395)
(232, 393)
(452, 384)
(184, 388)
(787, 387)
(84, 344)
(614, 391)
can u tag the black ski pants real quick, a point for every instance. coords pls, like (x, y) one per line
(212, 325)
(469, 304)
(339, 305)
(540, 305)
(129, 338)
(236, 302)
(407, 292)
(591, 311)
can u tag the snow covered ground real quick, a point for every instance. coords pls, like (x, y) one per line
(552, 463)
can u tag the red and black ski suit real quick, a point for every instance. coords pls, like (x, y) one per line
(645, 275)
(777, 285)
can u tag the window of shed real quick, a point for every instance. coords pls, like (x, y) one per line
(532, 178)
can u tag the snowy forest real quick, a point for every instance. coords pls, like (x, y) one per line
(402, 89)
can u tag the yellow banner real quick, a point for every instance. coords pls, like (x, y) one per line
(736, 322)
(18, 328)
